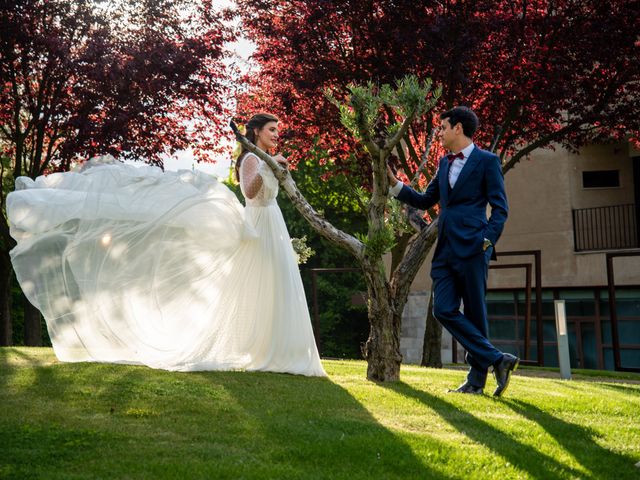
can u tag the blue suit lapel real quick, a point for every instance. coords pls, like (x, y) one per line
(470, 165)
(444, 180)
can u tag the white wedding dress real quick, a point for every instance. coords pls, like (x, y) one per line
(132, 265)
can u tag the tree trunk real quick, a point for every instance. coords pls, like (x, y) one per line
(32, 325)
(432, 345)
(6, 327)
(397, 252)
(382, 350)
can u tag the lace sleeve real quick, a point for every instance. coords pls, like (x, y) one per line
(250, 179)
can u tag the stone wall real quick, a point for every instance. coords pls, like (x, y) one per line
(413, 324)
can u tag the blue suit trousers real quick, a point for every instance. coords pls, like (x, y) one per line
(456, 280)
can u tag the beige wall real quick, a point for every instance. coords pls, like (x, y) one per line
(601, 157)
(542, 192)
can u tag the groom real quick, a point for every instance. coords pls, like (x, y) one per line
(466, 181)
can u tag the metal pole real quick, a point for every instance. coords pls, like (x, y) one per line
(613, 314)
(563, 340)
(527, 313)
(539, 331)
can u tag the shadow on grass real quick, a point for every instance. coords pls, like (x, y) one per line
(317, 429)
(524, 457)
(26, 358)
(580, 442)
(626, 389)
(90, 420)
(61, 420)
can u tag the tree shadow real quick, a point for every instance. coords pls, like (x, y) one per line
(60, 415)
(220, 424)
(623, 388)
(580, 442)
(14, 358)
(522, 456)
(321, 428)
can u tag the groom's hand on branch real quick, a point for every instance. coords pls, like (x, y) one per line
(392, 178)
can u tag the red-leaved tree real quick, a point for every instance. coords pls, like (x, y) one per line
(538, 73)
(137, 79)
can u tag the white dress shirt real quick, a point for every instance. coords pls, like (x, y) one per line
(458, 163)
(395, 190)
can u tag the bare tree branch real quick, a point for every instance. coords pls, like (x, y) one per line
(424, 158)
(541, 142)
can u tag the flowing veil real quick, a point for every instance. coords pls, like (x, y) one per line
(130, 264)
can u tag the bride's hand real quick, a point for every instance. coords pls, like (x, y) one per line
(281, 160)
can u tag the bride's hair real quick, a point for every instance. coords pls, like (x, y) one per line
(256, 122)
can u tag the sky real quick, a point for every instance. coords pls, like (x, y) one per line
(242, 49)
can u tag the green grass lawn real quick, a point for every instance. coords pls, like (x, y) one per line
(71, 421)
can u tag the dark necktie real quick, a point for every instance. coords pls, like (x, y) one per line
(452, 156)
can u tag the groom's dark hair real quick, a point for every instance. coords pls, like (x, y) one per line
(464, 116)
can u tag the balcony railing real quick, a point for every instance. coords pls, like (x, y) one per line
(605, 228)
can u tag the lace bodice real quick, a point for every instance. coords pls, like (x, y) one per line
(257, 182)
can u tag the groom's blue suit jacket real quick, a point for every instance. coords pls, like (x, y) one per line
(463, 209)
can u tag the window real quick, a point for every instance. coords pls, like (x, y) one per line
(601, 179)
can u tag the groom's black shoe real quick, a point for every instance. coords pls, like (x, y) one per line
(466, 387)
(502, 371)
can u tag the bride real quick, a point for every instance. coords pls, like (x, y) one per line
(166, 269)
